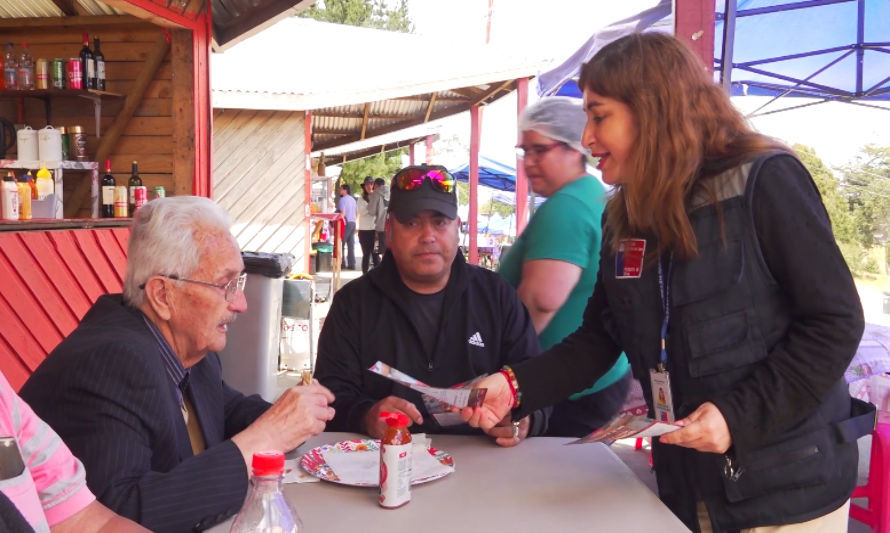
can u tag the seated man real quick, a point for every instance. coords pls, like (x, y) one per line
(424, 311)
(136, 390)
(42, 486)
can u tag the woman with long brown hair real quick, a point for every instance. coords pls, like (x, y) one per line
(721, 281)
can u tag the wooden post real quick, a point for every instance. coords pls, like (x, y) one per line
(111, 136)
(307, 150)
(475, 131)
(183, 111)
(521, 180)
(203, 112)
(694, 24)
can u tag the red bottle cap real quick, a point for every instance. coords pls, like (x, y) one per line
(268, 463)
(108, 165)
(395, 419)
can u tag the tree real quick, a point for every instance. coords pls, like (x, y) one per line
(829, 186)
(366, 13)
(379, 166)
(867, 184)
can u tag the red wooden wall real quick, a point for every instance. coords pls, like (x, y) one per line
(49, 281)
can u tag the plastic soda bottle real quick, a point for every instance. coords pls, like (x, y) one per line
(10, 67)
(395, 461)
(266, 509)
(26, 69)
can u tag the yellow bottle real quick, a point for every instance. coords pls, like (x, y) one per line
(45, 185)
(24, 198)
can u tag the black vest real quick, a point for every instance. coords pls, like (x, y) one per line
(727, 313)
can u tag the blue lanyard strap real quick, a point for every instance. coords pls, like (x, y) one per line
(664, 291)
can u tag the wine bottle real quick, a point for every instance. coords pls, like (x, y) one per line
(99, 59)
(132, 185)
(87, 64)
(108, 184)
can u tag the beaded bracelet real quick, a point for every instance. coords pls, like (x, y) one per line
(514, 385)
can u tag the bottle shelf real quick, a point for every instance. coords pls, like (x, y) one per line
(53, 206)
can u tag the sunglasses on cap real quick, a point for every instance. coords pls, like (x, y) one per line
(411, 178)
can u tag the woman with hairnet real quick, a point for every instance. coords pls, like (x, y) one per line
(553, 264)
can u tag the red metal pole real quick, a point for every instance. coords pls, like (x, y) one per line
(694, 24)
(428, 145)
(411, 154)
(521, 181)
(475, 131)
(307, 150)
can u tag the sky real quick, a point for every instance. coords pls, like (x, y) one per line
(556, 28)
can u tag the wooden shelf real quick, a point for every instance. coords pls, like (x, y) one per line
(46, 93)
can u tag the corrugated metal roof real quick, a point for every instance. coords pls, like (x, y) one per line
(46, 8)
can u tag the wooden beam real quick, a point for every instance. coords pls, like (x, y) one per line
(467, 92)
(429, 107)
(365, 119)
(154, 13)
(67, 7)
(146, 75)
(69, 22)
(182, 62)
(493, 92)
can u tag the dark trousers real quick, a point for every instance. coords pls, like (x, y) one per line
(381, 243)
(369, 256)
(349, 243)
(577, 418)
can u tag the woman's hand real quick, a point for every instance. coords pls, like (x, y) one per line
(704, 430)
(498, 402)
(508, 433)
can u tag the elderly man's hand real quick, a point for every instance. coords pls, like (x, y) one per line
(375, 427)
(298, 414)
(508, 433)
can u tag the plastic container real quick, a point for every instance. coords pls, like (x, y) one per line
(27, 144)
(25, 69)
(45, 184)
(49, 144)
(9, 198)
(395, 461)
(10, 67)
(266, 508)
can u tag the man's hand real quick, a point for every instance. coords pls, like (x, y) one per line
(704, 430)
(376, 427)
(498, 402)
(298, 414)
(508, 433)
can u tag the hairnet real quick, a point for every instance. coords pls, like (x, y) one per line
(559, 117)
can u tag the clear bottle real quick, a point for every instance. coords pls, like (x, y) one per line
(25, 69)
(266, 509)
(10, 67)
(395, 461)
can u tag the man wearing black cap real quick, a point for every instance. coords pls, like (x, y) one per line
(426, 312)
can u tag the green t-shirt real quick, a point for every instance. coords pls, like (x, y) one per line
(566, 228)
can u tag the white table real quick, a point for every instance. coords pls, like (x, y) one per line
(539, 486)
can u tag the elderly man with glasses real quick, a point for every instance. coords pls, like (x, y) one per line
(136, 390)
(426, 312)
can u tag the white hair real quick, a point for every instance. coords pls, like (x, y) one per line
(165, 239)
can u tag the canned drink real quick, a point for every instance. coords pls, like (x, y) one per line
(157, 192)
(120, 202)
(77, 143)
(74, 72)
(140, 195)
(65, 144)
(41, 72)
(57, 74)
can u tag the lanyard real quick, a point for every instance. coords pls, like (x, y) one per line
(664, 291)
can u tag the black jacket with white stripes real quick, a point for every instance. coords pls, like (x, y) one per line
(483, 326)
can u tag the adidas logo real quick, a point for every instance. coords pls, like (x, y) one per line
(476, 340)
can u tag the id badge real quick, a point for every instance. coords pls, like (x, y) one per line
(629, 258)
(661, 395)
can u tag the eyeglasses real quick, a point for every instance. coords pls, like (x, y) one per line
(411, 178)
(536, 150)
(230, 289)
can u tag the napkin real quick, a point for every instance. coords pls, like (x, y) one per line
(294, 474)
(363, 468)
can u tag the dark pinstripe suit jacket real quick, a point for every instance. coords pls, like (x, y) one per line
(104, 389)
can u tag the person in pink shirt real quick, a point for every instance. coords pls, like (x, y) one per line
(42, 479)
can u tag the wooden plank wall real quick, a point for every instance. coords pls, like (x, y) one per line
(149, 135)
(259, 177)
(50, 280)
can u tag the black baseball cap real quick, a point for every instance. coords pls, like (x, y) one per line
(420, 188)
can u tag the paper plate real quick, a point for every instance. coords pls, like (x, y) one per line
(313, 461)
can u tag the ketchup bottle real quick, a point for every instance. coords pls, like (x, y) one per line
(395, 461)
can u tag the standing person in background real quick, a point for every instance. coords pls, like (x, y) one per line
(732, 297)
(381, 200)
(366, 223)
(553, 263)
(346, 205)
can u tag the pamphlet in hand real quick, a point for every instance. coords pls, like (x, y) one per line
(438, 401)
(625, 427)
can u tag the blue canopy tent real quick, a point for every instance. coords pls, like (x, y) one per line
(491, 174)
(829, 50)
